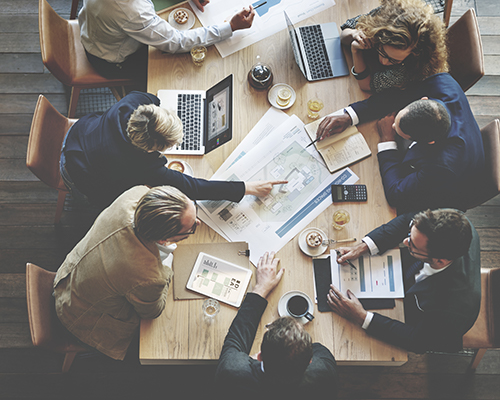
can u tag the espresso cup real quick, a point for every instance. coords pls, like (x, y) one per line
(298, 307)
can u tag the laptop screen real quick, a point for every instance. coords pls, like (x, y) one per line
(295, 44)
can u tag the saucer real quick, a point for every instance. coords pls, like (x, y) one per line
(272, 95)
(182, 27)
(283, 312)
(187, 168)
(311, 251)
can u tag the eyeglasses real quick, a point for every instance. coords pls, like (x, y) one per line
(192, 231)
(414, 253)
(383, 54)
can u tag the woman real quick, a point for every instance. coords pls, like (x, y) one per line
(398, 43)
(106, 154)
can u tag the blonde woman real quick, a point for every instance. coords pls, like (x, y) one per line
(398, 43)
(106, 154)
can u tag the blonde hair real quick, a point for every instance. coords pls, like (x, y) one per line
(159, 212)
(153, 128)
(411, 24)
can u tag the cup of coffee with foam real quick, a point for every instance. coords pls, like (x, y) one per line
(298, 307)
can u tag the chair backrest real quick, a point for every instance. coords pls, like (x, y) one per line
(489, 184)
(48, 129)
(56, 43)
(466, 50)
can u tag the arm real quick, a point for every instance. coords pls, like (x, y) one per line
(149, 299)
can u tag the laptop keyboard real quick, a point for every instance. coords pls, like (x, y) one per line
(316, 55)
(189, 111)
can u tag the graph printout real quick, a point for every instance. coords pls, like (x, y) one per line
(374, 276)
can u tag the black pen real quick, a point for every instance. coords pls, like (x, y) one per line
(347, 261)
(312, 143)
(259, 5)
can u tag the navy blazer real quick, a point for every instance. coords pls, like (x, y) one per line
(444, 174)
(103, 163)
(440, 309)
(241, 376)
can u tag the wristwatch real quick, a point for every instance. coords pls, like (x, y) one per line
(360, 76)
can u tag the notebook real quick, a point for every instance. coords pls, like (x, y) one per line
(317, 50)
(207, 117)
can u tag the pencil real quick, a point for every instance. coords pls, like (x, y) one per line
(312, 143)
(347, 261)
(259, 5)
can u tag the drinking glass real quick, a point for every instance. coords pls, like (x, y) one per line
(340, 219)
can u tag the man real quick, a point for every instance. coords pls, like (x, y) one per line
(115, 34)
(441, 166)
(105, 154)
(120, 271)
(442, 281)
(289, 365)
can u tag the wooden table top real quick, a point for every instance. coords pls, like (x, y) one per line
(180, 335)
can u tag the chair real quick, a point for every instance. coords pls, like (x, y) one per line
(489, 185)
(485, 334)
(466, 50)
(74, 9)
(64, 56)
(442, 6)
(46, 330)
(47, 133)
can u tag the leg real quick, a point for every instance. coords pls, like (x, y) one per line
(478, 355)
(73, 101)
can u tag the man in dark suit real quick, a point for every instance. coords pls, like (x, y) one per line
(441, 266)
(289, 365)
(441, 166)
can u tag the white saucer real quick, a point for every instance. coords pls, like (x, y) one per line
(182, 27)
(187, 168)
(272, 95)
(311, 251)
(283, 312)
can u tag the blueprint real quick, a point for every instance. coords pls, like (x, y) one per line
(269, 18)
(268, 223)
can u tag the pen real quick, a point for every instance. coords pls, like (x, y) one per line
(259, 5)
(347, 261)
(312, 143)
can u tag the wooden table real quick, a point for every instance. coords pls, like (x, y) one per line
(180, 335)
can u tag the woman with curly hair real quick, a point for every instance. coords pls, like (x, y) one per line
(398, 43)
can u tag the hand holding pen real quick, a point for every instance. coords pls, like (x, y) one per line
(345, 260)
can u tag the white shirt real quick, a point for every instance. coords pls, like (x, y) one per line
(115, 29)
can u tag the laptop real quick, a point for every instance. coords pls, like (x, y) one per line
(317, 50)
(207, 117)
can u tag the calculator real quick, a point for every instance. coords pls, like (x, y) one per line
(349, 193)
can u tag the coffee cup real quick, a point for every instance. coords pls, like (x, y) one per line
(298, 307)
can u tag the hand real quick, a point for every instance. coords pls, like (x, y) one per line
(200, 4)
(352, 253)
(261, 188)
(359, 41)
(385, 128)
(267, 277)
(243, 19)
(348, 306)
(333, 124)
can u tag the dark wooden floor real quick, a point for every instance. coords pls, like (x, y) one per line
(27, 234)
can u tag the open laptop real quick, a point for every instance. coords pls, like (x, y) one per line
(207, 117)
(317, 50)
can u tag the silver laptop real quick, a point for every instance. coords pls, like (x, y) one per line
(317, 50)
(207, 117)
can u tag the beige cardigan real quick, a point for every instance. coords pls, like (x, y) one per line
(111, 280)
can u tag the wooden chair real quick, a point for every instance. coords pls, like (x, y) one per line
(74, 9)
(485, 334)
(466, 50)
(489, 184)
(442, 6)
(64, 56)
(46, 330)
(47, 133)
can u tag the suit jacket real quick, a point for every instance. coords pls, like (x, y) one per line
(103, 163)
(111, 280)
(440, 309)
(430, 176)
(239, 372)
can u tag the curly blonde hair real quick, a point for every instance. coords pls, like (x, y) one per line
(153, 128)
(411, 24)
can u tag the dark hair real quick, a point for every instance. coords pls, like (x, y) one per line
(425, 121)
(448, 231)
(286, 350)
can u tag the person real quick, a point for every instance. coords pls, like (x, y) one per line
(288, 365)
(116, 33)
(105, 154)
(120, 271)
(400, 42)
(441, 265)
(441, 166)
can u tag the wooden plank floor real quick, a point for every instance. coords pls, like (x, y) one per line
(27, 234)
